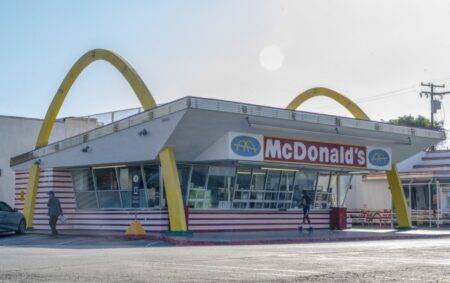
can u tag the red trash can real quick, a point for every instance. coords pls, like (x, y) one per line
(338, 218)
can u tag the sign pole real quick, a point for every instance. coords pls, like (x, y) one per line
(135, 229)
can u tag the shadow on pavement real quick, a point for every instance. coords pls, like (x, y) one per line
(32, 240)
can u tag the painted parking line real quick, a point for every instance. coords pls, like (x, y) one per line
(155, 243)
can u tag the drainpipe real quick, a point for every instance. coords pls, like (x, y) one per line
(429, 202)
(438, 202)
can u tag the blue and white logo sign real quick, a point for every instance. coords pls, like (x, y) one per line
(379, 158)
(245, 146)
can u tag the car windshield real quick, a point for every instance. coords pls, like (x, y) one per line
(5, 207)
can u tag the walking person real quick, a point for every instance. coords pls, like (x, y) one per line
(54, 211)
(306, 204)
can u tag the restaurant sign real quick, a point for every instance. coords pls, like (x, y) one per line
(264, 148)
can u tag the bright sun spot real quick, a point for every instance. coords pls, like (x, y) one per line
(271, 57)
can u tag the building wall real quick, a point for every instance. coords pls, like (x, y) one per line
(19, 136)
(363, 193)
(60, 182)
(369, 194)
(226, 220)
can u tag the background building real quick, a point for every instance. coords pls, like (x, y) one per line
(19, 135)
(426, 183)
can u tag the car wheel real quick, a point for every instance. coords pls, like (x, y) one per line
(21, 228)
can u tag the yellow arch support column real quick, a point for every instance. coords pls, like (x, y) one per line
(173, 191)
(395, 184)
(399, 198)
(142, 93)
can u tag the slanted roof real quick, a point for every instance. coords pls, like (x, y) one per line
(191, 125)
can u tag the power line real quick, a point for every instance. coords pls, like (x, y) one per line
(383, 95)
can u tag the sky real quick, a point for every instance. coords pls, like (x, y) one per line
(263, 52)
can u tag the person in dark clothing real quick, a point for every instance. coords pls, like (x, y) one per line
(306, 203)
(54, 211)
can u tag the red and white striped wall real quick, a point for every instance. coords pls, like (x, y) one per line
(60, 182)
(225, 220)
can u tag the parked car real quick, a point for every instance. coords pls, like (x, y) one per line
(11, 220)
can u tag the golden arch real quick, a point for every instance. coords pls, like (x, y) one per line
(398, 196)
(339, 98)
(139, 87)
(167, 158)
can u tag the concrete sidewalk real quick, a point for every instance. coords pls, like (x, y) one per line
(266, 237)
(305, 236)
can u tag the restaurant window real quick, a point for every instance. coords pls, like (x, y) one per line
(272, 187)
(198, 196)
(83, 186)
(111, 187)
(184, 172)
(220, 186)
(258, 192)
(152, 181)
(286, 191)
(106, 184)
(126, 185)
(306, 181)
(241, 195)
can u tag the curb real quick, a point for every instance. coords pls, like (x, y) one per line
(186, 242)
(173, 240)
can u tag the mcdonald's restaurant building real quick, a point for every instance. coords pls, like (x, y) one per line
(202, 164)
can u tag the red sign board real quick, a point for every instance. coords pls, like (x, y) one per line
(288, 150)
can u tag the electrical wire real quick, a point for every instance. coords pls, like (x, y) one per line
(381, 96)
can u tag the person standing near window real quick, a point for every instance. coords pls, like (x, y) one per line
(54, 211)
(306, 204)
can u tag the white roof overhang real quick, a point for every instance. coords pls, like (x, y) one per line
(193, 125)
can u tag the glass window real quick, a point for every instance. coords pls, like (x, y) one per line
(105, 179)
(151, 173)
(108, 195)
(83, 185)
(243, 179)
(272, 187)
(199, 197)
(258, 193)
(259, 179)
(109, 199)
(82, 180)
(242, 188)
(198, 179)
(220, 186)
(183, 174)
(286, 189)
(86, 200)
(305, 181)
(126, 185)
(5, 207)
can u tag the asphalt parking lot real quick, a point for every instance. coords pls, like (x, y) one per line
(39, 258)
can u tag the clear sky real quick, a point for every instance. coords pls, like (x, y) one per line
(263, 52)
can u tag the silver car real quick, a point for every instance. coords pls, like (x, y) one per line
(11, 220)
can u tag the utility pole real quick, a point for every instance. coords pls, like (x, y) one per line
(435, 104)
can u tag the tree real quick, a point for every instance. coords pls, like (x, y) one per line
(418, 122)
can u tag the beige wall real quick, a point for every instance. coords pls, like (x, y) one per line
(373, 194)
(19, 136)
